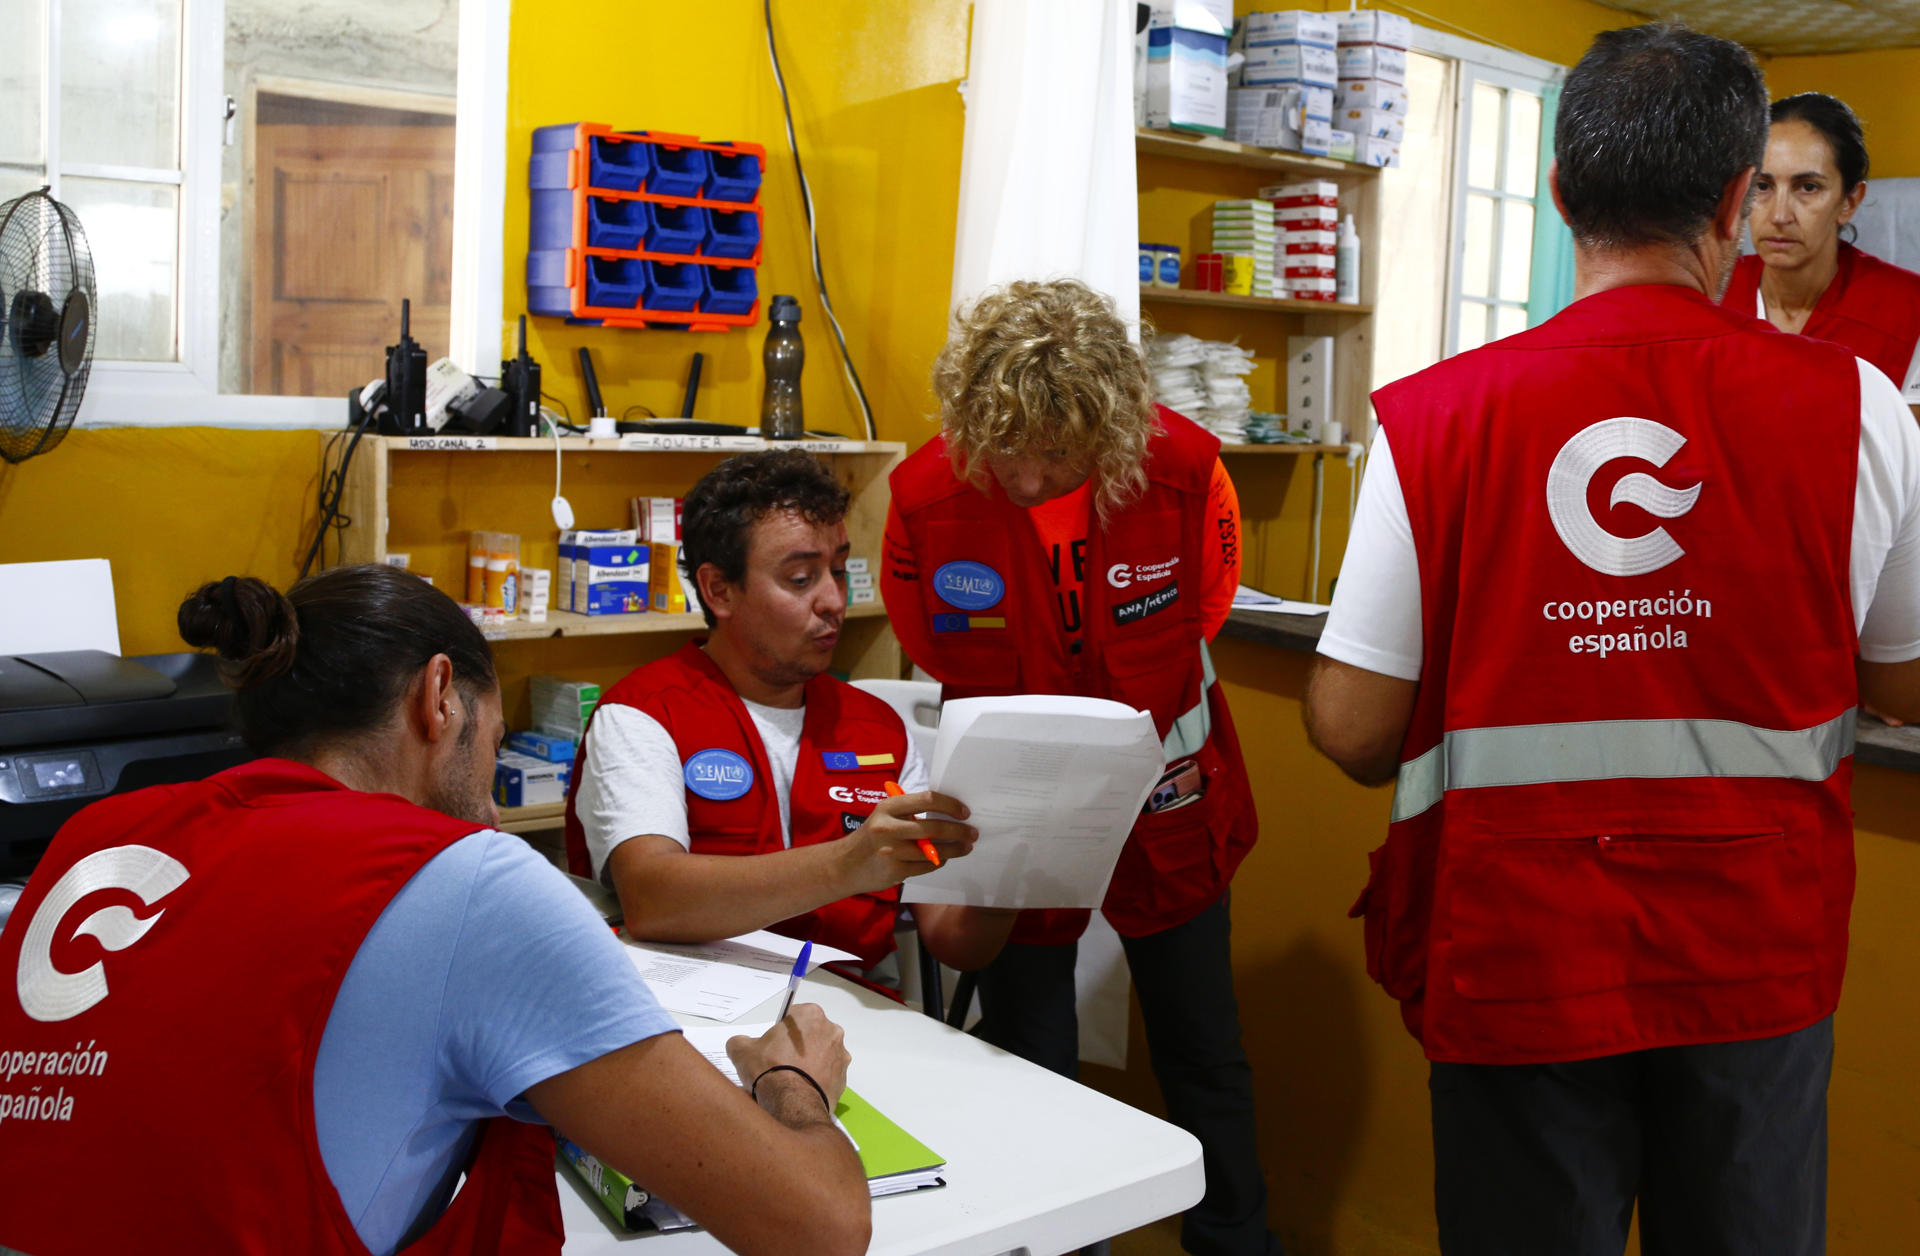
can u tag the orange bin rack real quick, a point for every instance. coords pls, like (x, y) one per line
(643, 228)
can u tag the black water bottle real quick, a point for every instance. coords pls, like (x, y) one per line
(784, 355)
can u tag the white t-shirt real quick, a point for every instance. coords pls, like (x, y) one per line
(632, 781)
(1375, 621)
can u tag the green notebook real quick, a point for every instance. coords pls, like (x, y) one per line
(896, 1162)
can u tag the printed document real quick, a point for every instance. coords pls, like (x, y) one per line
(1053, 783)
(721, 981)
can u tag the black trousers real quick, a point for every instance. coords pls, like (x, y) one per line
(1184, 979)
(1723, 1145)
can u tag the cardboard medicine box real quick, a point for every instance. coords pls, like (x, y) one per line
(1187, 71)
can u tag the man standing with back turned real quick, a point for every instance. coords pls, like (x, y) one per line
(1616, 587)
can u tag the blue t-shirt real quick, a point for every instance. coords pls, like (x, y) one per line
(487, 973)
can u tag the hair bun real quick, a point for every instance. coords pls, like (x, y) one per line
(247, 622)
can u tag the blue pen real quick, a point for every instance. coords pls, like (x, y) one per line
(793, 981)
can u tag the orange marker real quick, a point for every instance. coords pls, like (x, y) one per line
(927, 848)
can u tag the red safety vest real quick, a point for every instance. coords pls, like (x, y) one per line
(1872, 307)
(981, 583)
(1622, 814)
(179, 950)
(851, 745)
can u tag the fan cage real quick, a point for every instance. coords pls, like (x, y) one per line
(44, 261)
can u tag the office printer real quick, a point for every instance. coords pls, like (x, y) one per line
(78, 725)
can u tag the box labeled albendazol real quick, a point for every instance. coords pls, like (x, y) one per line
(611, 579)
(1186, 68)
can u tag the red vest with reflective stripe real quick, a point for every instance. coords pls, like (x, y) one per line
(1633, 529)
(1871, 307)
(851, 745)
(1141, 645)
(192, 944)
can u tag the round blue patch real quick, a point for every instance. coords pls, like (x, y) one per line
(718, 775)
(969, 585)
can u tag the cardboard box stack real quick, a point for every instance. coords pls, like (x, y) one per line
(1185, 87)
(1308, 217)
(1245, 236)
(561, 706)
(1291, 52)
(1372, 101)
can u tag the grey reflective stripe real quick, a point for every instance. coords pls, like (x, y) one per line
(1540, 754)
(1195, 725)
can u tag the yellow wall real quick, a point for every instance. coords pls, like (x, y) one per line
(878, 121)
(170, 508)
(1879, 86)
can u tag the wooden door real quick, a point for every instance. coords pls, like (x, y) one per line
(353, 212)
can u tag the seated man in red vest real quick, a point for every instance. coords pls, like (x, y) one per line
(1066, 535)
(734, 785)
(298, 1000)
(1615, 588)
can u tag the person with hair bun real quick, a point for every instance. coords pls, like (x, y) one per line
(1063, 534)
(1804, 275)
(303, 1000)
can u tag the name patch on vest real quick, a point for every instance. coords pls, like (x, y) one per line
(969, 585)
(850, 761)
(718, 775)
(1141, 607)
(967, 623)
(849, 822)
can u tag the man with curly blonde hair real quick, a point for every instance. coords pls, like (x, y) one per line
(1066, 535)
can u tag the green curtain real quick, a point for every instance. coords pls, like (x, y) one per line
(1552, 287)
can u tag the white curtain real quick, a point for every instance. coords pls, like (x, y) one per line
(1046, 167)
(1889, 221)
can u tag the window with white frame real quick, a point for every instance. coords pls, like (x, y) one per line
(1497, 183)
(1456, 254)
(147, 118)
(90, 107)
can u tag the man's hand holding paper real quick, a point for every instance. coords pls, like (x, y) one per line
(1057, 784)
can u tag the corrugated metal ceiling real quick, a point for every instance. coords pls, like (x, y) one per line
(1793, 27)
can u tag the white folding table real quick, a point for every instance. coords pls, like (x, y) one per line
(1036, 1165)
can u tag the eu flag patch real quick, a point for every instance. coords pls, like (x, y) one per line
(849, 761)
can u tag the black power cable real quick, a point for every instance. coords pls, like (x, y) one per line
(330, 508)
(813, 234)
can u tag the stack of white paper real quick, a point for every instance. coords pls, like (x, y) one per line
(722, 981)
(1053, 783)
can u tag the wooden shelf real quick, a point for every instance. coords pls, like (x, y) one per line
(633, 443)
(568, 624)
(1233, 301)
(1283, 448)
(1227, 153)
(535, 819)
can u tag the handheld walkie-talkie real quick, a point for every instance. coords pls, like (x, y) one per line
(520, 380)
(406, 412)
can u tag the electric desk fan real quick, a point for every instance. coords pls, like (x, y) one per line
(47, 296)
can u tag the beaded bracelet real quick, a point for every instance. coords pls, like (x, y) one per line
(754, 1090)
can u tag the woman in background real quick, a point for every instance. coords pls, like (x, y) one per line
(1804, 278)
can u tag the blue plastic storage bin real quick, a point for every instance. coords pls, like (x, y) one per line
(676, 228)
(550, 218)
(674, 285)
(547, 291)
(615, 224)
(730, 290)
(732, 233)
(678, 171)
(735, 176)
(616, 282)
(621, 165)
